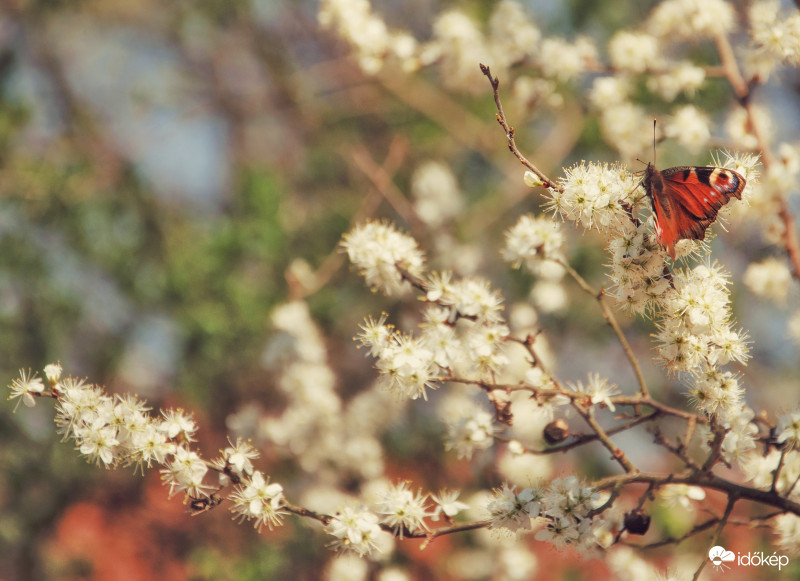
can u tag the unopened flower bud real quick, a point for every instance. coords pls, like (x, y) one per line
(52, 372)
(556, 431)
(532, 180)
(637, 522)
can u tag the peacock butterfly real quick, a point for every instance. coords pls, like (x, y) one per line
(686, 200)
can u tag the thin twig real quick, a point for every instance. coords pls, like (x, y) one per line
(382, 182)
(777, 474)
(608, 315)
(501, 119)
(732, 498)
(791, 240)
(581, 439)
(679, 451)
(743, 92)
(604, 438)
(676, 540)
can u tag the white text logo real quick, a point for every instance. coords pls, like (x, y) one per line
(722, 559)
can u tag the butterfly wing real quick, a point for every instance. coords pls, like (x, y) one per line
(686, 200)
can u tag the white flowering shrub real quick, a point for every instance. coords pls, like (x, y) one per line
(561, 456)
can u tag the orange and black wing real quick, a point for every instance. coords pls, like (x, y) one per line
(689, 201)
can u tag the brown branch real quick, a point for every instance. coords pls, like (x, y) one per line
(581, 439)
(743, 91)
(650, 402)
(791, 240)
(634, 401)
(512, 146)
(679, 450)
(450, 530)
(300, 288)
(611, 320)
(603, 437)
(704, 480)
(777, 475)
(716, 446)
(730, 68)
(676, 540)
(382, 182)
(325, 519)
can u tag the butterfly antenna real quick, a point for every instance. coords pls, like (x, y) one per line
(654, 142)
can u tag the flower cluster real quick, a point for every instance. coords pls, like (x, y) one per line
(458, 43)
(410, 365)
(596, 196)
(258, 500)
(775, 34)
(564, 507)
(696, 329)
(403, 510)
(436, 195)
(469, 425)
(382, 254)
(356, 529)
(463, 330)
(361, 530)
(689, 19)
(117, 431)
(368, 35)
(769, 278)
(533, 239)
(316, 428)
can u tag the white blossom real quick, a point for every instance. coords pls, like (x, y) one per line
(690, 127)
(565, 60)
(185, 473)
(689, 19)
(379, 251)
(769, 278)
(788, 430)
(26, 387)
(775, 33)
(258, 500)
(447, 503)
(512, 33)
(53, 372)
(514, 510)
(609, 92)
(355, 529)
(598, 390)
(458, 45)
(469, 426)
(787, 527)
(437, 198)
(403, 510)
(533, 239)
(178, 425)
(760, 469)
(633, 52)
(680, 77)
(681, 495)
(593, 195)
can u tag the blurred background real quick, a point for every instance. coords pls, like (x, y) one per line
(170, 172)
